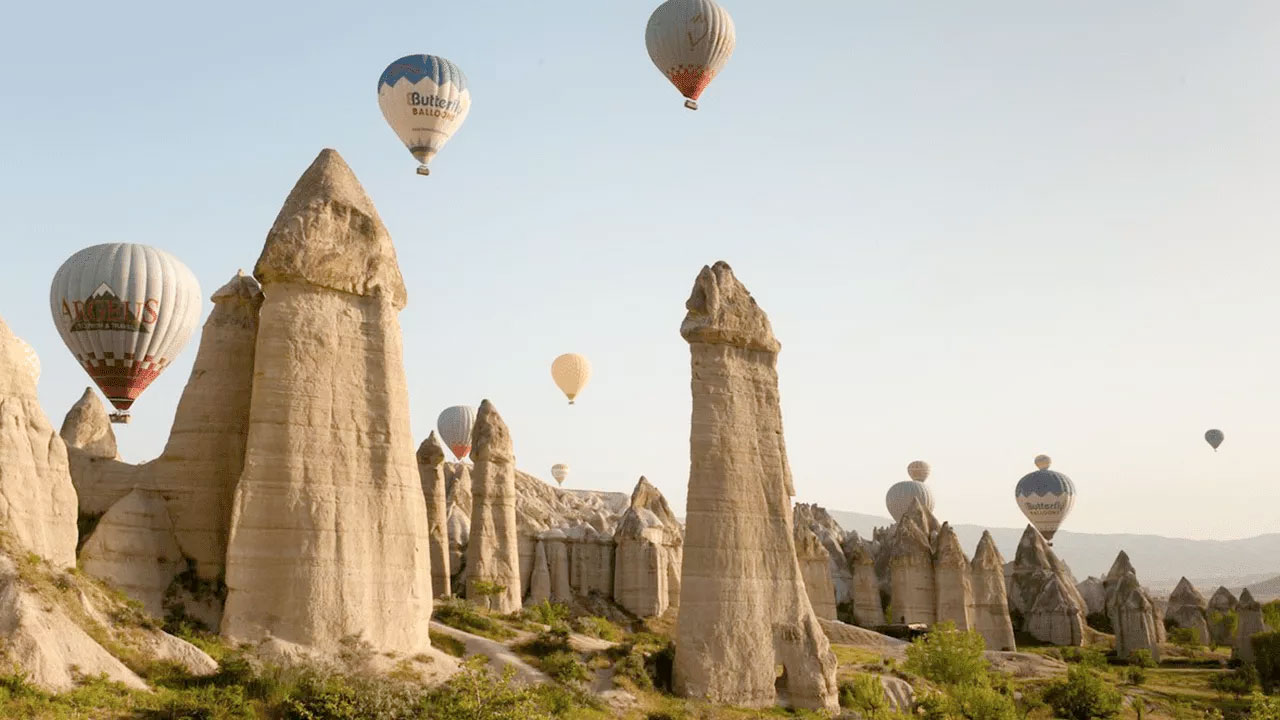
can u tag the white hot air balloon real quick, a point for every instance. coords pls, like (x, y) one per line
(125, 311)
(571, 372)
(424, 99)
(560, 471)
(455, 424)
(898, 499)
(690, 41)
(33, 360)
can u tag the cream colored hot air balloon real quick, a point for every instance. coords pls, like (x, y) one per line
(690, 41)
(571, 372)
(125, 311)
(33, 360)
(455, 424)
(560, 471)
(424, 99)
(898, 499)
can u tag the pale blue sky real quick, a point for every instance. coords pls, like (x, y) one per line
(982, 230)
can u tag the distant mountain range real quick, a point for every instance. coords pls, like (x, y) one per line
(1160, 561)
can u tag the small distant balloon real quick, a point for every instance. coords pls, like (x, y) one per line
(560, 471)
(690, 41)
(898, 500)
(918, 471)
(571, 372)
(1214, 438)
(424, 99)
(1045, 497)
(455, 424)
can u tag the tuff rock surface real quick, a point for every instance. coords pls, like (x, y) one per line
(493, 551)
(1187, 608)
(431, 472)
(990, 601)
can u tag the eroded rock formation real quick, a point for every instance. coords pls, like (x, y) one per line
(329, 536)
(1094, 594)
(1043, 595)
(913, 594)
(1187, 609)
(990, 601)
(952, 580)
(743, 606)
(867, 610)
(133, 546)
(1220, 606)
(37, 499)
(1251, 623)
(649, 541)
(431, 471)
(493, 553)
(1134, 619)
(815, 568)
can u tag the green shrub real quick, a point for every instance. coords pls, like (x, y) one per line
(1087, 657)
(1224, 624)
(1271, 615)
(972, 702)
(1083, 695)
(1184, 637)
(486, 588)
(563, 667)
(1266, 653)
(1264, 708)
(948, 656)
(466, 617)
(447, 643)
(546, 612)
(865, 695)
(546, 642)
(1142, 658)
(633, 667)
(598, 627)
(1100, 621)
(1238, 682)
(473, 694)
(1135, 674)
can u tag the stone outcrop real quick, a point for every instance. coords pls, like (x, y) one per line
(990, 602)
(952, 581)
(1043, 595)
(912, 590)
(1094, 594)
(743, 607)
(133, 546)
(37, 499)
(1220, 605)
(197, 473)
(591, 567)
(431, 471)
(816, 570)
(649, 542)
(867, 610)
(818, 521)
(493, 553)
(1251, 623)
(1134, 619)
(1187, 609)
(329, 536)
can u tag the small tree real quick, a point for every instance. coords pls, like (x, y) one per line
(1271, 615)
(1224, 624)
(1142, 658)
(1266, 653)
(1083, 695)
(948, 656)
(1264, 708)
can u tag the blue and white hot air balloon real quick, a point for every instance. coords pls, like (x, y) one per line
(424, 99)
(1045, 497)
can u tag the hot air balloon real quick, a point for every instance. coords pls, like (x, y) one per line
(1214, 438)
(1045, 497)
(32, 359)
(690, 41)
(898, 499)
(455, 425)
(125, 311)
(571, 372)
(560, 471)
(425, 100)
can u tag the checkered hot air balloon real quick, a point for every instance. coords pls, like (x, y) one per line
(690, 41)
(125, 311)
(424, 99)
(455, 425)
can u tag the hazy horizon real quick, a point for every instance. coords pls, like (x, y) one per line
(981, 232)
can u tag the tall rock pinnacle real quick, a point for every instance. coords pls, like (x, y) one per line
(743, 606)
(493, 553)
(329, 534)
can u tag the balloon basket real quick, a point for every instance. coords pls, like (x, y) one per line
(424, 170)
(691, 104)
(121, 418)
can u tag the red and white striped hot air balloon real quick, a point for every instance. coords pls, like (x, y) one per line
(125, 311)
(690, 41)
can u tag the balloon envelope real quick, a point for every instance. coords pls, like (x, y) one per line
(898, 499)
(918, 471)
(560, 471)
(125, 311)
(424, 99)
(690, 41)
(1045, 497)
(455, 424)
(1214, 438)
(571, 372)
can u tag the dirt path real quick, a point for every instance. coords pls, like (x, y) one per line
(500, 656)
